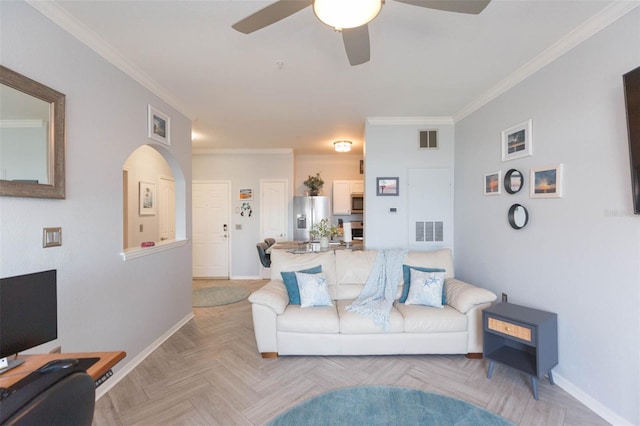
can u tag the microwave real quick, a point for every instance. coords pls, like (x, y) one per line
(357, 203)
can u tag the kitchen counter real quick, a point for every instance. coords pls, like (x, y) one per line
(304, 247)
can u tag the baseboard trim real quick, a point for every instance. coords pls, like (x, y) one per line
(591, 403)
(129, 366)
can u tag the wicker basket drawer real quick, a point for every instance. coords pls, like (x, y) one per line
(522, 333)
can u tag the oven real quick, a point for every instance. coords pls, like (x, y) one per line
(357, 230)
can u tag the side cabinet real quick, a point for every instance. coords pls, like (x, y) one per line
(522, 338)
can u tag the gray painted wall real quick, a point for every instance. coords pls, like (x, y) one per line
(104, 303)
(580, 255)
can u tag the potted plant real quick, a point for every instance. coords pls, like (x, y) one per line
(314, 184)
(323, 231)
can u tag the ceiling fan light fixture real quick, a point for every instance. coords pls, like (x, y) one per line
(341, 14)
(342, 146)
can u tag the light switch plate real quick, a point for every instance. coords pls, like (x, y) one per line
(51, 237)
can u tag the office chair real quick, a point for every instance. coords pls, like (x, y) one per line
(265, 259)
(45, 401)
(270, 241)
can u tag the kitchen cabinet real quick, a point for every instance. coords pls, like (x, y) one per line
(342, 190)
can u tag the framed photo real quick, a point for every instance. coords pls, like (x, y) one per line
(546, 182)
(491, 183)
(147, 206)
(246, 194)
(387, 186)
(159, 126)
(517, 141)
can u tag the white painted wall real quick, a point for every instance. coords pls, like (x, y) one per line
(580, 255)
(104, 303)
(392, 150)
(244, 170)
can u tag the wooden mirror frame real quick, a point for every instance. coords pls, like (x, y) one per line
(56, 99)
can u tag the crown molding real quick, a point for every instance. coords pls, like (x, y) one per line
(595, 24)
(64, 20)
(220, 151)
(409, 121)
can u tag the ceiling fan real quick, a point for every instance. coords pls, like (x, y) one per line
(351, 17)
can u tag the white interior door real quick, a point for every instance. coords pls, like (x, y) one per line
(211, 203)
(167, 209)
(274, 209)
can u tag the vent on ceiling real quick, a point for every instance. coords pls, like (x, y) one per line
(429, 231)
(428, 139)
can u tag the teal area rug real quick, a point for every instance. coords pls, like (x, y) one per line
(216, 296)
(386, 405)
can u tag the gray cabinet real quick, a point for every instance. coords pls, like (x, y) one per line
(522, 338)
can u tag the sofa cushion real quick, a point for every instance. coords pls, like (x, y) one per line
(283, 261)
(317, 319)
(354, 323)
(313, 290)
(426, 319)
(406, 280)
(426, 288)
(352, 270)
(291, 282)
(440, 259)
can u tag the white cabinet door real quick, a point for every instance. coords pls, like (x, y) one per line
(357, 187)
(341, 197)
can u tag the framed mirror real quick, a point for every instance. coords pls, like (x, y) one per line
(32, 138)
(518, 216)
(513, 181)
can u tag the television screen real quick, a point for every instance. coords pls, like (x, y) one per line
(28, 311)
(632, 99)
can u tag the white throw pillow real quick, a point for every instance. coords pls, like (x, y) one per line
(313, 290)
(426, 288)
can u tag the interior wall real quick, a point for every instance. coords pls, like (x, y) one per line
(245, 170)
(392, 151)
(579, 256)
(104, 303)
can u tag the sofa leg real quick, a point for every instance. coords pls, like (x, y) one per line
(474, 355)
(269, 354)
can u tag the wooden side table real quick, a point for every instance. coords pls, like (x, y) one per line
(522, 338)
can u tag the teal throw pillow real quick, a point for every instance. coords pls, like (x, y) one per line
(406, 274)
(291, 283)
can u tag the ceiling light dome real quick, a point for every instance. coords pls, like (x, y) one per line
(341, 14)
(342, 146)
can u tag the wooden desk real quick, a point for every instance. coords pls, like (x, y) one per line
(32, 362)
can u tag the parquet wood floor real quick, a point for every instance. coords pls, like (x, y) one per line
(210, 373)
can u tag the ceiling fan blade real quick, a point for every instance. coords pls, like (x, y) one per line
(356, 43)
(472, 7)
(270, 14)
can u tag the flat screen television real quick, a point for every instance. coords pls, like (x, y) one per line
(632, 100)
(28, 313)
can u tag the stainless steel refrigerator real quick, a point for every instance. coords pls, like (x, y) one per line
(308, 211)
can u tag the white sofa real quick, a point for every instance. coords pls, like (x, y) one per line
(285, 329)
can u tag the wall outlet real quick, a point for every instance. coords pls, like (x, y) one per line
(505, 298)
(56, 350)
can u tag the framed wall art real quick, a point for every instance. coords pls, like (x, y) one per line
(546, 182)
(246, 194)
(387, 186)
(147, 205)
(517, 141)
(491, 183)
(159, 126)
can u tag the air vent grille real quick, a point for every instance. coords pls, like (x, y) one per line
(430, 231)
(428, 139)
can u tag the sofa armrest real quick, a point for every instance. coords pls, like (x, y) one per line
(273, 295)
(464, 296)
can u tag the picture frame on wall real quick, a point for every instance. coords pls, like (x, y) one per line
(147, 193)
(245, 194)
(491, 184)
(158, 126)
(517, 141)
(387, 186)
(546, 182)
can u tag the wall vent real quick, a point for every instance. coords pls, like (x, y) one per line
(428, 139)
(429, 231)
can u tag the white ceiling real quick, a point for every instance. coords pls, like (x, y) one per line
(424, 63)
